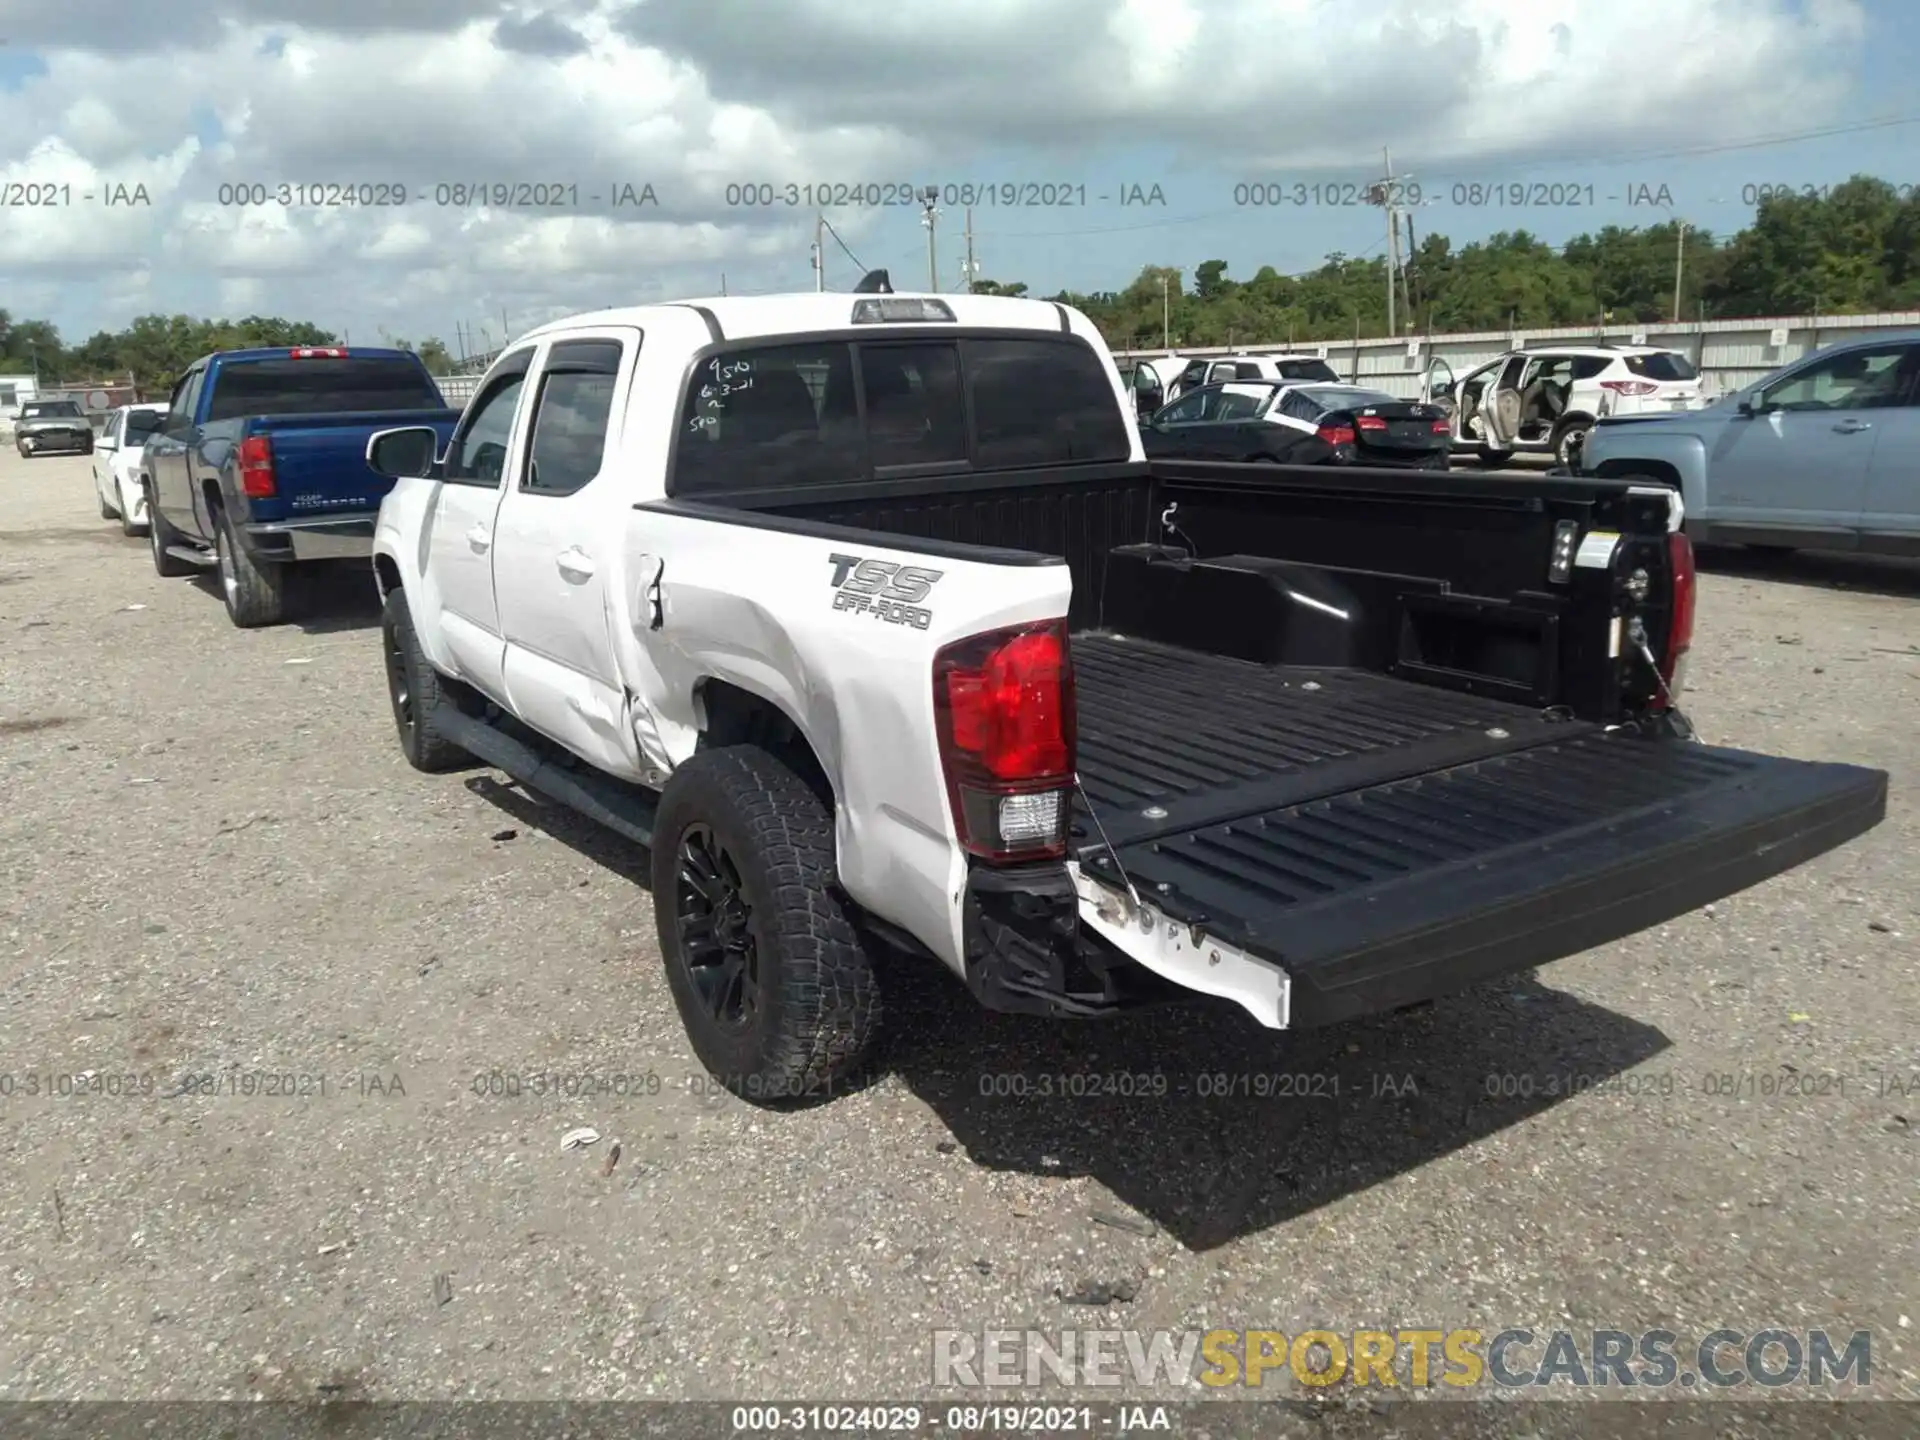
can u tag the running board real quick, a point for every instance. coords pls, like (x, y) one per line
(193, 555)
(624, 809)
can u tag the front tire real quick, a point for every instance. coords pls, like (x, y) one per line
(255, 592)
(107, 512)
(416, 692)
(773, 982)
(1494, 457)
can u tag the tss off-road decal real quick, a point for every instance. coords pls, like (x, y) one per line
(881, 588)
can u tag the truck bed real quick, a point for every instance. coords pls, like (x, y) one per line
(1384, 841)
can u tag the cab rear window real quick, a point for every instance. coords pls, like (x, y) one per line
(829, 411)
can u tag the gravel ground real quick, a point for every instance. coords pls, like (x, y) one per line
(217, 864)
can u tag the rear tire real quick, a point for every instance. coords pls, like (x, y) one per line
(159, 536)
(1567, 440)
(255, 592)
(771, 976)
(416, 692)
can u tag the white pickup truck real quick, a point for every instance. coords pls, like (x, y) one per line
(867, 614)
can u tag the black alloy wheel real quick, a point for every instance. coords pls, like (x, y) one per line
(715, 920)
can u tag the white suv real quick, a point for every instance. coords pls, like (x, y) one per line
(1543, 402)
(1267, 365)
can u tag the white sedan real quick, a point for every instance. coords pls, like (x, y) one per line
(116, 464)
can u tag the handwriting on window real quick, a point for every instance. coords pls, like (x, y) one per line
(725, 376)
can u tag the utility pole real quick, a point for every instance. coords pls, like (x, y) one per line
(1384, 197)
(819, 252)
(1166, 316)
(972, 270)
(928, 197)
(1406, 273)
(1679, 266)
(723, 282)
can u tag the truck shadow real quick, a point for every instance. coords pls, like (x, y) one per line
(1211, 1128)
(326, 599)
(1197, 1121)
(1825, 569)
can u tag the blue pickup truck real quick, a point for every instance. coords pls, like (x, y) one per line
(260, 464)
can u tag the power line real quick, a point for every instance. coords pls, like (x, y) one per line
(842, 244)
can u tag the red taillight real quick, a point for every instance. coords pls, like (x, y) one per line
(1441, 427)
(317, 352)
(1337, 434)
(1673, 665)
(256, 467)
(1371, 422)
(1003, 703)
(1629, 387)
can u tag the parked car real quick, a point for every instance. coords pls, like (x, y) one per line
(1301, 424)
(52, 427)
(1544, 401)
(1823, 454)
(1151, 378)
(869, 616)
(260, 465)
(1251, 365)
(116, 464)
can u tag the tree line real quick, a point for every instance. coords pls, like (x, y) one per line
(1851, 249)
(154, 349)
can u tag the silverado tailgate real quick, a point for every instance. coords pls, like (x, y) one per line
(320, 461)
(1380, 895)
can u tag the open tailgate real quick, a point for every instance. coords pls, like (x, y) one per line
(1391, 893)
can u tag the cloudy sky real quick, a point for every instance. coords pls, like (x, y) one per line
(1104, 135)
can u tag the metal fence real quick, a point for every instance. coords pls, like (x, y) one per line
(95, 401)
(1729, 354)
(458, 388)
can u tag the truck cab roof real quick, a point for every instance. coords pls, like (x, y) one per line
(738, 317)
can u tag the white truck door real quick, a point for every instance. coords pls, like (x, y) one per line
(461, 526)
(556, 555)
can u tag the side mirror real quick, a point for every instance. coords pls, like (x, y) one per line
(1745, 407)
(103, 443)
(407, 453)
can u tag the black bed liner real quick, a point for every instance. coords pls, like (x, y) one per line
(1384, 842)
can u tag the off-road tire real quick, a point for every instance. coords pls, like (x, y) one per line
(415, 691)
(159, 536)
(255, 591)
(818, 1010)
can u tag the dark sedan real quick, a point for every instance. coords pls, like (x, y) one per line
(47, 427)
(1296, 423)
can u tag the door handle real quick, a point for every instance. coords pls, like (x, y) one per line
(1851, 427)
(575, 563)
(479, 537)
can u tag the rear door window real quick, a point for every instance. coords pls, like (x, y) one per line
(319, 385)
(1662, 365)
(1318, 370)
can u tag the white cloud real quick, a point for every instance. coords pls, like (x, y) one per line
(689, 96)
